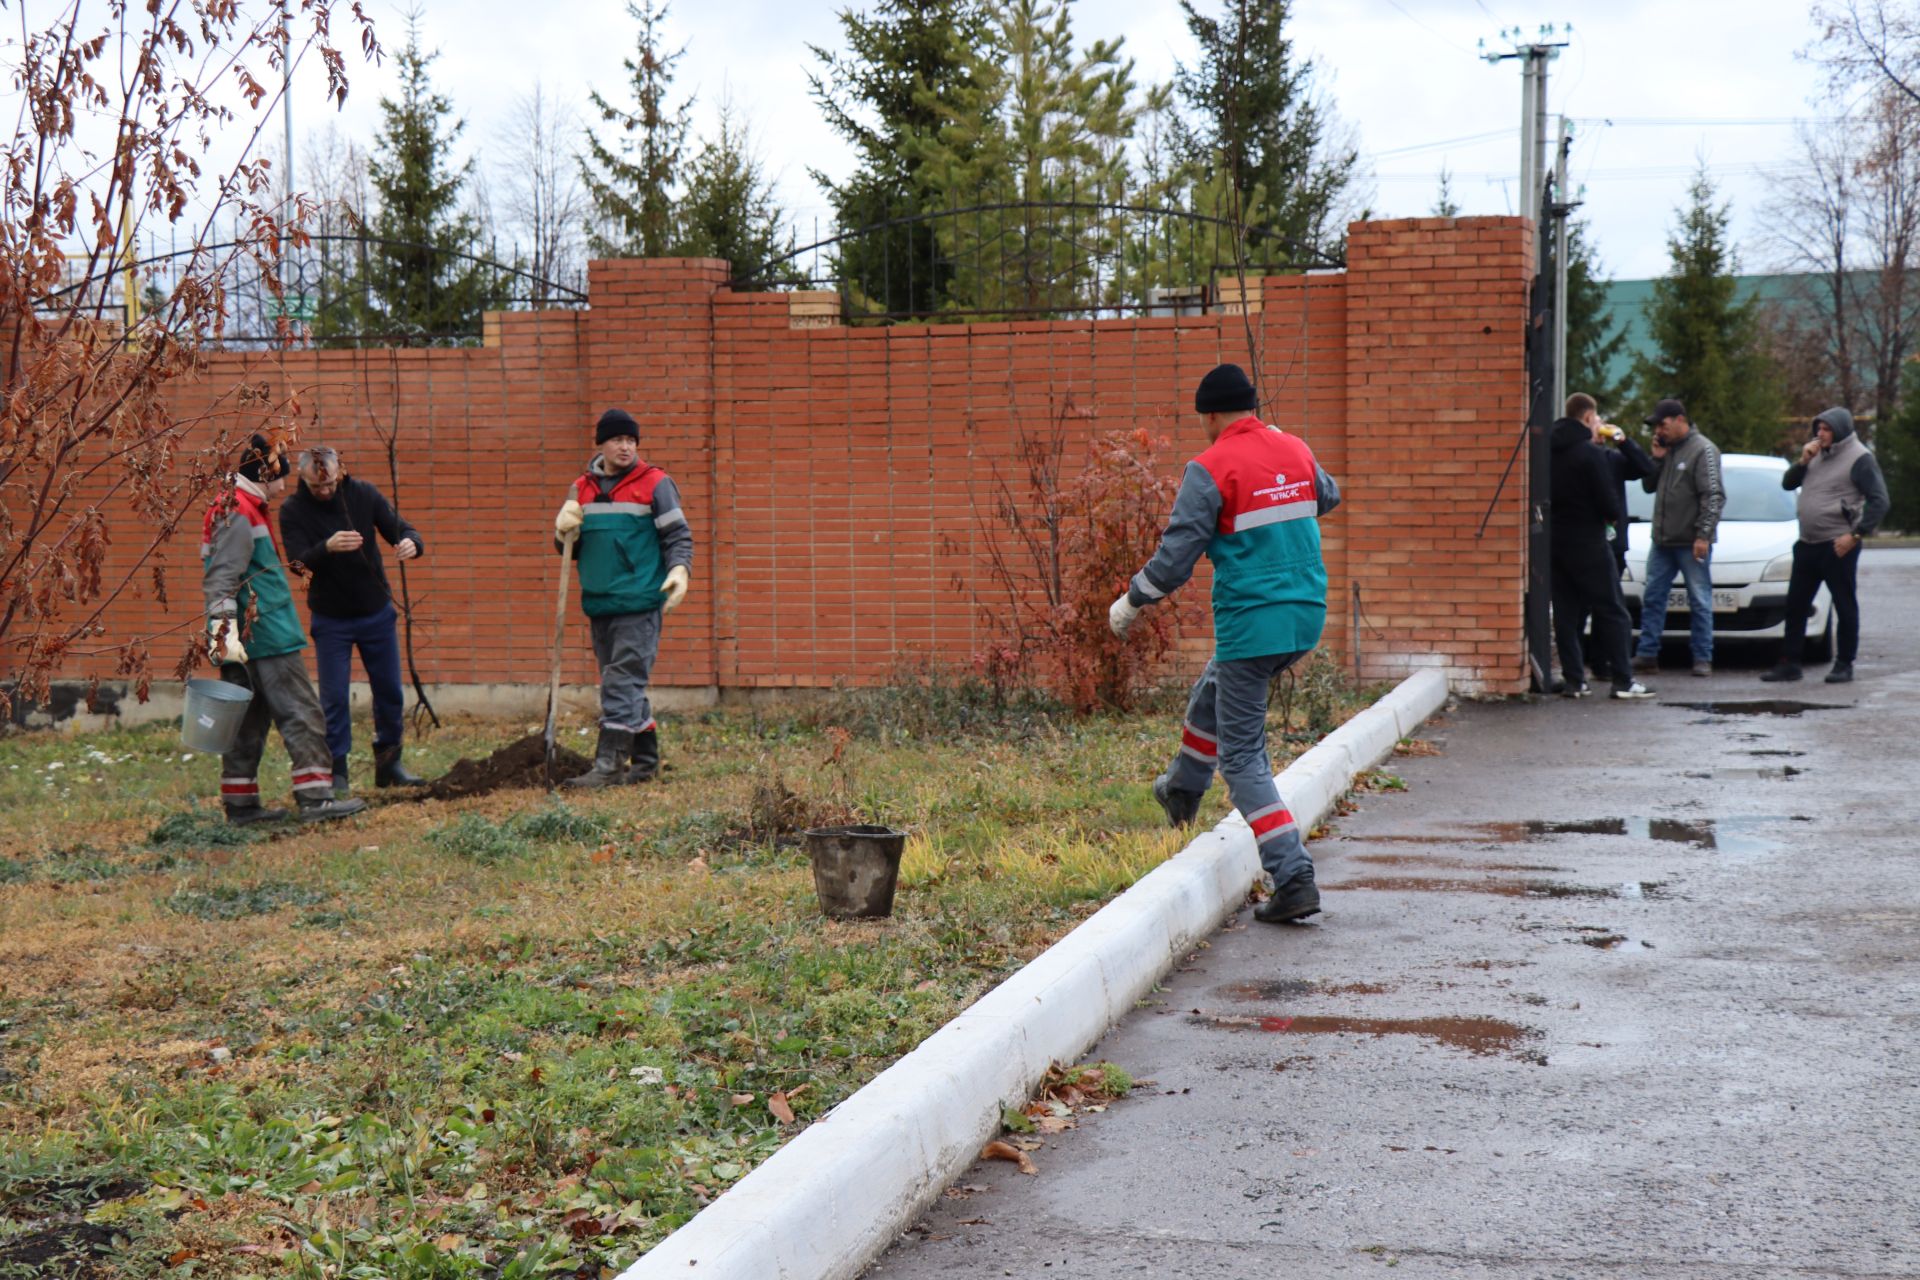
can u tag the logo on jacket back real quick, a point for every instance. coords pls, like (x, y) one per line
(1283, 491)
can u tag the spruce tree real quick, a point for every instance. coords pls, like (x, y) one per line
(1707, 346)
(729, 210)
(1897, 442)
(417, 280)
(1254, 118)
(631, 181)
(1444, 205)
(903, 59)
(1594, 340)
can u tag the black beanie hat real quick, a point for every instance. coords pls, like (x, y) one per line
(259, 462)
(1225, 390)
(613, 424)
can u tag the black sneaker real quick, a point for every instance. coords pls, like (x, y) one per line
(1782, 672)
(1842, 673)
(1297, 899)
(1181, 806)
(1575, 690)
(1634, 692)
(325, 810)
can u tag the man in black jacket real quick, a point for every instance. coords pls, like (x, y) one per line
(329, 526)
(1586, 579)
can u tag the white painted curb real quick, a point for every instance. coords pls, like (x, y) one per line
(832, 1200)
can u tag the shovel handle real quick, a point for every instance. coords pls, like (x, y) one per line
(559, 633)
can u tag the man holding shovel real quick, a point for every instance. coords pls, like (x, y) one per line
(254, 636)
(329, 526)
(1251, 503)
(635, 553)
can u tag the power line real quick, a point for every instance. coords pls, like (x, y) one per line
(1443, 142)
(1429, 30)
(1662, 122)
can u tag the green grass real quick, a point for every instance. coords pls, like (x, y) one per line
(512, 1036)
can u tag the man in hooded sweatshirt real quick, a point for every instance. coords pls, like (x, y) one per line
(636, 555)
(254, 635)
(1843, 499)
(1586, 579)
(1251, 503)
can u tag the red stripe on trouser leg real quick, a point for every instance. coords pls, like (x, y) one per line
(239, 789)
(1268, 824)
(1198, 745)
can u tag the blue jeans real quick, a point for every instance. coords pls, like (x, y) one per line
(1662, 564)
(334, 640)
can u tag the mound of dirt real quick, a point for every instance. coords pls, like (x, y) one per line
(518, 764)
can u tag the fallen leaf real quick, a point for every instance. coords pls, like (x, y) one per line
(449, 1242)
(1007, 1151)
(781, 1111)
(1054, 1124)
(179, 1256)
(742, 1099)
(604, 854)
(976, 1222)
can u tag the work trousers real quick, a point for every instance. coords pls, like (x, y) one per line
(1226, 728)
(377, 639)
(625, 645)
(283, 698)
(1586, 581)
(1815, 563)
(1663, 563)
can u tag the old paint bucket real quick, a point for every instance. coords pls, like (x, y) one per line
(213, 714)
(855, 869)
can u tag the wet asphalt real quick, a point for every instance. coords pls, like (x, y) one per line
(1610, 989)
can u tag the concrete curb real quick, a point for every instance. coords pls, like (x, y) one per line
(833, 1199)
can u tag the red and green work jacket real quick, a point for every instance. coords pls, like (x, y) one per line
(632, 530)
(1251, 503)
(242, 578)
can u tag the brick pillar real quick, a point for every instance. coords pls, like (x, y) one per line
(1436, 402)
(650, 352)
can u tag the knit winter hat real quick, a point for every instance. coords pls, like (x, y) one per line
(613, 424)
(1226, 389)
(260, 461)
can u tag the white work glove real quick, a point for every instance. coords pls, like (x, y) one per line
(569, 518)
(1121, 614)
(223, 641)
(675, 586)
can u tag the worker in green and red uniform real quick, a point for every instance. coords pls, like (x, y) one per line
(254, 636)
(1251, 503)
(636, 555)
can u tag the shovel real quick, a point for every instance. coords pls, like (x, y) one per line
(559, 631)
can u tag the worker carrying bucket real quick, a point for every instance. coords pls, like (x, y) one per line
(636, 554)
(254, 637)
(1252, 504)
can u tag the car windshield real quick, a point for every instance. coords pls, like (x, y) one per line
(1753, 493)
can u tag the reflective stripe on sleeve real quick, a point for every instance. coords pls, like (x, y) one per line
(670, 519)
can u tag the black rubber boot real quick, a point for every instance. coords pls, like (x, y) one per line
(341, 789)
(389, 772)
(326, 808)
(1782, 672)
(1181, 806)
(646, 757)
(609, 760)
(1297, 899)
(247, 815)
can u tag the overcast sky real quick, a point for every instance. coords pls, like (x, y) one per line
(1654, 87)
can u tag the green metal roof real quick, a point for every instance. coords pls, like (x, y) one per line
(1627, 301)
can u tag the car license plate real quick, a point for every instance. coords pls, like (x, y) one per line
(1723, 601)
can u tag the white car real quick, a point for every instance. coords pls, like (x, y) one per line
(1752, 560)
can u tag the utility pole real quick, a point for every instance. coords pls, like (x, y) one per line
(1534, 56)
(1559, 211)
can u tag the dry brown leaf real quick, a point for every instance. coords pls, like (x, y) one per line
(1007, 1151)
(449, 1242)
(1053, 1124)
(181, 1255)
(742, 1099)
(781, 1111)
(604, 854)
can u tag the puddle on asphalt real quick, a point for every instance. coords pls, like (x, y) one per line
(1725, 835)
(1483, 1037)
(1761, 707)
(1446, 864)
(1293, 988)
(1503, 888)
(1760, 773)
(1790, 754)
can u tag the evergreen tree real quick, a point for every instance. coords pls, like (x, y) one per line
(1255, 119)
(1034, 124)
(903, 60)
(1708, 348)
(1897, 442)
(631, 182)
(417, 280)
(1594, 339)
(729, 210)
(1444, 205)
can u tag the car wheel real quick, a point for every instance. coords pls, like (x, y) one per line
(1822, 649)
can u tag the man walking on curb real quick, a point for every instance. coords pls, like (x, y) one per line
(1688, 497)
(1251, 502)
(1843, 498)
(254, 636)
(635, 553)
(329, 526)
(1585, 578)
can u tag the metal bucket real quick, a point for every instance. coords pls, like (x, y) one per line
(213, 714)
(855, 869)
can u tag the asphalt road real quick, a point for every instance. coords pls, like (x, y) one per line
(1610, 990)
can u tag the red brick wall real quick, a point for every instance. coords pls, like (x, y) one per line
(835, 478)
